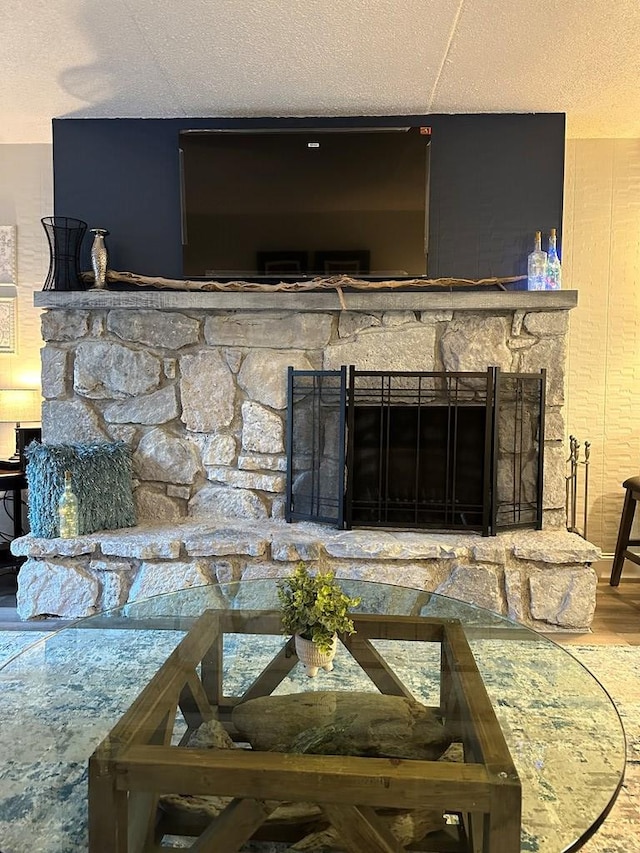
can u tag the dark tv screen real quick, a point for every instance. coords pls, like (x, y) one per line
(291, 203)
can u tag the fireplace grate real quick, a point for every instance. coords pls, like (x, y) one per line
(437, 450)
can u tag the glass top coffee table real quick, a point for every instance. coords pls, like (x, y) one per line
(130, 686)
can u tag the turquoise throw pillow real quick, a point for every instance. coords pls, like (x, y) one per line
(101, 478)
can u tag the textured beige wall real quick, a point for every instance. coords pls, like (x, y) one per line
(602, 261)
(26, 195)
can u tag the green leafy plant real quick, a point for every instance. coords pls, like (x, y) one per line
(315, 606)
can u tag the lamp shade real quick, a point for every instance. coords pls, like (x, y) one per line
(19, 405)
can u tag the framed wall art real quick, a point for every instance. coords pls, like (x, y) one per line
(7, 254)
(7, 324)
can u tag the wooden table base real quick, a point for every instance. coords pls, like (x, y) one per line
(136, 763)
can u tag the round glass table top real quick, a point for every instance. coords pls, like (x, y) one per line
(62, 696)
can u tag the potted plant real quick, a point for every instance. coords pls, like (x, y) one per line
(314, 610)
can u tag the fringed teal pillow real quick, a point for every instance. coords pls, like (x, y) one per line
(101, 478)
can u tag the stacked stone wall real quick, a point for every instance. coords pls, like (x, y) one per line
(199, 393)
(200, 396)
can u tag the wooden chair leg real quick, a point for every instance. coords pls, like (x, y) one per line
(626, 520)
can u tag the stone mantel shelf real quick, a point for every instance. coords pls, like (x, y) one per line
(476, 300)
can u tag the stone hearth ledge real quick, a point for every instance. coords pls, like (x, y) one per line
(542, 579)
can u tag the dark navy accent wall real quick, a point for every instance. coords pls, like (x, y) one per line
(495, 179)
(123, 175)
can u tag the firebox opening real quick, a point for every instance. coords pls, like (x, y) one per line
(418, 466)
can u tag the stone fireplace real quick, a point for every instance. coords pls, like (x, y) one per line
(196, 384)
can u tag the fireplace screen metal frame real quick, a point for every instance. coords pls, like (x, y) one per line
(436, 450)
(316, 432)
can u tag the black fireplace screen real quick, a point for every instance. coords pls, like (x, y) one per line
(426, 450)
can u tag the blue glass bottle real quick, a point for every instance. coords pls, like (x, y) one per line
(554, 271)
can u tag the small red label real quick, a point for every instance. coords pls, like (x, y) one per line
(425, 131)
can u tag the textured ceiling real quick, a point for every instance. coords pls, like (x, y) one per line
(162, 58)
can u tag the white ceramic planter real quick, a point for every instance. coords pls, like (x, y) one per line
(312, 658)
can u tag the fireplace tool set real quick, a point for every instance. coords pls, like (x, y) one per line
(574, 465)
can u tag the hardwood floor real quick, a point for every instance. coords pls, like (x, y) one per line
(617, 617)
(616, 621)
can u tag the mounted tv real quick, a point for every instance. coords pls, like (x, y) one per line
(296, 203)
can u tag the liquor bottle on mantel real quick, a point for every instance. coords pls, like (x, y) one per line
(68, 510)
(554, 272)
(537, 266)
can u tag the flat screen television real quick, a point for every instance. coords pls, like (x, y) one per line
(292, 203)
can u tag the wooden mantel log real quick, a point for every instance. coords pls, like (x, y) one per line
(331, 283)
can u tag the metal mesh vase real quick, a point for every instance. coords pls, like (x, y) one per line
(65, 238)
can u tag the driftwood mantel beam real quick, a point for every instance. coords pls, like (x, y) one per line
(320, 283)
